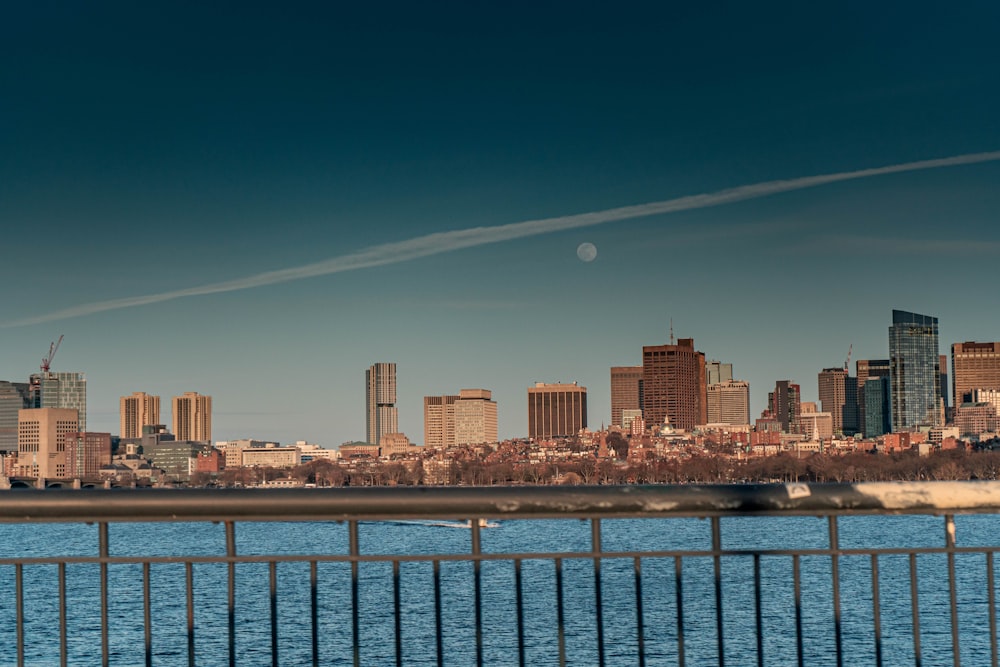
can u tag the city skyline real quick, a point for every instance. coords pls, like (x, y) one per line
(412, 184)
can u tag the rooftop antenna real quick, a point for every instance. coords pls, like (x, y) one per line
(671, 331)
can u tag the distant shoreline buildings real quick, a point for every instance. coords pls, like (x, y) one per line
(675, 396)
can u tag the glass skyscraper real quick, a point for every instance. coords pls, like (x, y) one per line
(914, 371)
(61, 390)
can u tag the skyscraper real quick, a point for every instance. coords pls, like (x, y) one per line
(60, 390)
(914, 374)
(974, 366)
(728, 403)
(717, 372)
(469, 418)
(138, 410)
(13, 399)
(877, 406)
(380, 401)
(838, 393)
(556, 410)
(192, 417)
(626, 391)
(673, 385)
(785, 405)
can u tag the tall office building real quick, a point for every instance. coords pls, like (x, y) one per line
(838, 393)
(439, 421)
(41, 441)
(60, 390)
(626, 391)
(466, 419)
(556, 410)
(785, 405)
(945, 387)
(866, 369)
(914, 374)
(192, 417)
(380, 401)
(475, 417)
(13, 399)
(717, 372)
(673, 385)
(728, 403)
(878, 407)
(138, 410)
(974, 366)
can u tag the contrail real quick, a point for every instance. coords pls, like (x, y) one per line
(440, 242)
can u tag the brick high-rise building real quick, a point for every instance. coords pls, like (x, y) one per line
(86, 454)
(673, 385)
(556, 410)
(626, 391)
(138, 410)
(381, 416)
(192, 417)
(974, 366)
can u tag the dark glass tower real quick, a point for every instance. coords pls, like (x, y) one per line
(914, 371)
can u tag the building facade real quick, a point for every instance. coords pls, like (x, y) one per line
(878, 407)
(717, 372)
(192, 417)
(41, 441)
(914, 374)
(673, 385)
(380, 401)
(974, 366)
(466, 419)
(556, 410)
(838, 395)
(626, 391)
(13, 399)
(785, 405)
(60, 390)
(728, 403)
(86, 454)
(475, 417)
(138, 410)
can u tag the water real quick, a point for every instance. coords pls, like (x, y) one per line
(500, 640)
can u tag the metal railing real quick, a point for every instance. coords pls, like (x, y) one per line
(688, 586)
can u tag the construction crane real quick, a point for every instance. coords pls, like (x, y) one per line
(47, 360)
(848, 361)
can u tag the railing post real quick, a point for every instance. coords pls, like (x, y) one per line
(595, 546)
(717, 565)
(835, 583)
(102, 541)
(949, 541)
(231, 589)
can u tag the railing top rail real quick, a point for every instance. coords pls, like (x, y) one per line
(516, 502)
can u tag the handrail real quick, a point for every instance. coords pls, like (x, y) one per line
(515, 502)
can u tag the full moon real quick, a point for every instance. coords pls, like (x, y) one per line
(587, 252)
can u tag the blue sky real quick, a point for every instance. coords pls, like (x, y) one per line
(153, 147)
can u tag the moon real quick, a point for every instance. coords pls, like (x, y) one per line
(587, 252)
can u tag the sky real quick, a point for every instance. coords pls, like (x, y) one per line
(258, 202)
